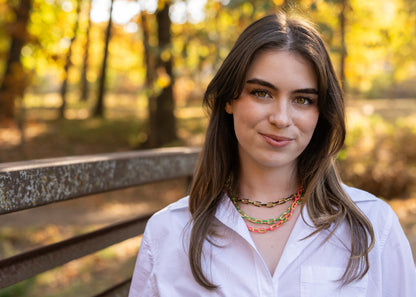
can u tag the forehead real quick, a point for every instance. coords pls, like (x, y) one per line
(282, 67)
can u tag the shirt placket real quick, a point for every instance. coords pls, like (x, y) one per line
(228, 215)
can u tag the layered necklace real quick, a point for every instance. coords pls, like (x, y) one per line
(274, 223)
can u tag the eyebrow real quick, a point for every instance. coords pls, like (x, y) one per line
(264, 83)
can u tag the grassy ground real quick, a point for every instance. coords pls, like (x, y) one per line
(46, 136)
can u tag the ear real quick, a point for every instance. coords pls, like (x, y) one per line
(229, 107)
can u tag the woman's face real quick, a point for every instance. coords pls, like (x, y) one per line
(277, 112)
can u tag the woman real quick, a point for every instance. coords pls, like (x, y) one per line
(267, 214)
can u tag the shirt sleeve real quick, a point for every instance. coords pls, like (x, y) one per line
(142, 283)
(398, 272)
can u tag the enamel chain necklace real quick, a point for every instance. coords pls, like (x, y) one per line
(274, 222)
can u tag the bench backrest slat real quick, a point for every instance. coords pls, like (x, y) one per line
(29, 184)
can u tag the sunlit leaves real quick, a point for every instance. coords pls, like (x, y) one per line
(379, 37)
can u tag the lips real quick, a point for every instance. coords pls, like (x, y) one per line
(276, 140)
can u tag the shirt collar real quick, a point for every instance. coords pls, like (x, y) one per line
(228, 215)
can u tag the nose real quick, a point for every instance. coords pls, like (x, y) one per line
(280, 114)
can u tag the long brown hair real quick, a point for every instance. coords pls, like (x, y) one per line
(326, 201)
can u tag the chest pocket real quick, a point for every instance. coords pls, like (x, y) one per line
(321, 281)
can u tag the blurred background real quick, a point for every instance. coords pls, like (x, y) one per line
(91, 76)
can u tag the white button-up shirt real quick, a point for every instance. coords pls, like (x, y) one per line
(309, 266)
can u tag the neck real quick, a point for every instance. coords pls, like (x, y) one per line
(267, 184)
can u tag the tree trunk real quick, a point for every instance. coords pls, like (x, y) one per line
(162, 123)
(99, 107)
(67, 66)
(84, 81)
(15, 79)
(343, 57)
(149, 61)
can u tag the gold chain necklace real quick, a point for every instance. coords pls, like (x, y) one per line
(267, 204)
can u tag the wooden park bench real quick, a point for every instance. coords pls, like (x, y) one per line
(29, 184)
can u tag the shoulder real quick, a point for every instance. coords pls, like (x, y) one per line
(177, 206)
(379, 212)
(176, 211)
(367, 202)
(170, 220)
(358, 195)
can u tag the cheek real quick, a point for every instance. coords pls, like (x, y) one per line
(245, 123)
(246, 115)
(307, 123)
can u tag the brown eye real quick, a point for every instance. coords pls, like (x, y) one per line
(303, 100)
(261, 93)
